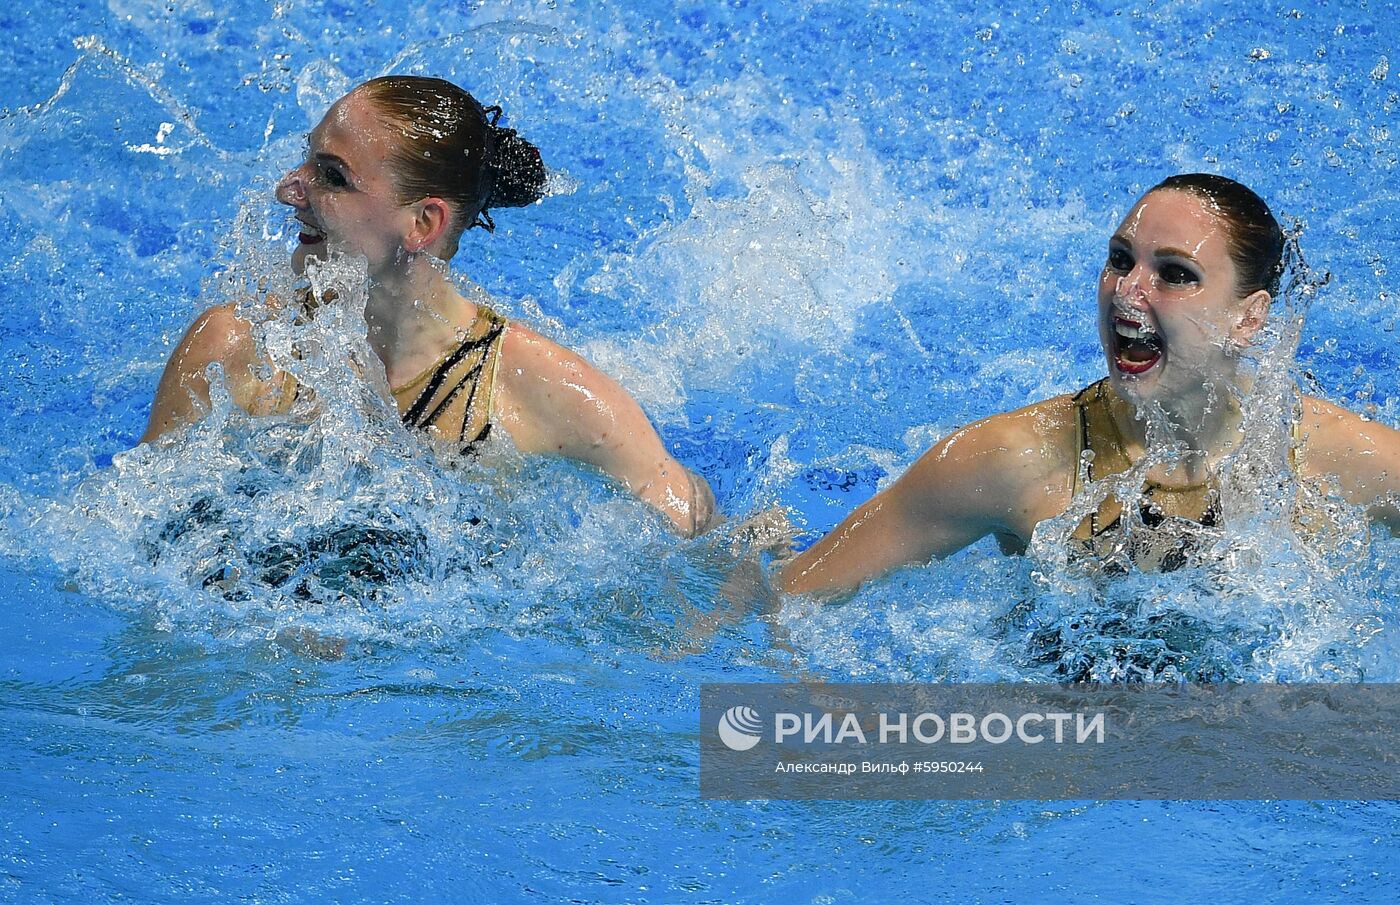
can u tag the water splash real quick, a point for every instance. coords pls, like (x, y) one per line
(333, 525)
(1259, 595)
(1282, 588)
(827, 257)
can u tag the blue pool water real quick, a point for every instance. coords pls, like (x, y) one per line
(811, 238)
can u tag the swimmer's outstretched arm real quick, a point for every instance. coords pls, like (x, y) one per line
(218, 336)
(968, 486)
(552, 401)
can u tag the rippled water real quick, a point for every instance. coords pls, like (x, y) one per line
(309, 657)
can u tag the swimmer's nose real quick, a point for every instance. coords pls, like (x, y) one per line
(1132, 288)
(292, 189)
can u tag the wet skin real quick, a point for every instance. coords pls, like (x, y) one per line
(1171, 322)
(546, 398)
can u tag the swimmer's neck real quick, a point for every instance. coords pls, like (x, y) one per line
(1206, 425)
(414, 313)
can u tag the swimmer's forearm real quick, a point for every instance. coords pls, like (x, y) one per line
(808, 575)
(869, 543)
(899, 527)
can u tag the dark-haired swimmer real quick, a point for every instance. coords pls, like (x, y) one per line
(397, 170)
(1188, 282)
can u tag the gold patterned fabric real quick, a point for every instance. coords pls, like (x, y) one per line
(452, 399)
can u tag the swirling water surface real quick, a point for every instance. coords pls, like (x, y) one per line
(310, 657)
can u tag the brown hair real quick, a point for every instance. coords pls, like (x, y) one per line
(1255, 240)
(452, 148)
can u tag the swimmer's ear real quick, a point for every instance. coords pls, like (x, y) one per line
(431, 219)
(1255, 313)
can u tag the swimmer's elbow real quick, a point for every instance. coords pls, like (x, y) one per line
(683, 497)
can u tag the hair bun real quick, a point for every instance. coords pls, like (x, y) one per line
(519, 171)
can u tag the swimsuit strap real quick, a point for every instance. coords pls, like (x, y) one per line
(462, 383)
(471, 367)
(1081, 433)
(287, 393)
(1092, 395)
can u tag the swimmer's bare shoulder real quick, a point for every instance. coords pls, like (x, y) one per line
(1001, 476)
(1361, 456)
(552, 400)
(218, 336)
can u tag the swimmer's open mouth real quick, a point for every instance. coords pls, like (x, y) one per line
(309, 234)
(1136, 347)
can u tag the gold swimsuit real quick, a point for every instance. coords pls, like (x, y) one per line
(451, 399)
(1179, 519)
(1178, 516)
(1097, 432)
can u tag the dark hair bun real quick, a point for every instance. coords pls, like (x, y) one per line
(518, 169)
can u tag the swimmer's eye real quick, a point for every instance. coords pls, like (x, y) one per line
(1119, 260)
(331, 177)
(1177, 275)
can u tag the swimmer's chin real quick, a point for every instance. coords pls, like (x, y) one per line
(306, 251)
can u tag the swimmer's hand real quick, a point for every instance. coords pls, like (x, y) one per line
(704, 512)
(745, 590)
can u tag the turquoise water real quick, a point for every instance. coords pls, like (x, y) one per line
(811, 238)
